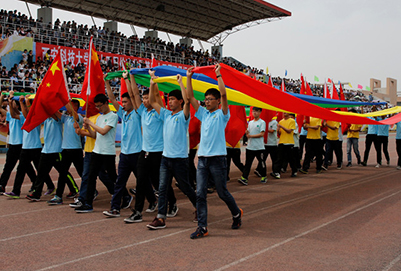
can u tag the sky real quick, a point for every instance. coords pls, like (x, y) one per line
(348, 41)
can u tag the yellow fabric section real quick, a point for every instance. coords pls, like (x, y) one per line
(312, 133)
(232, 94)
(389, 111)
(332, 134)
(90, 142)
(287, 138)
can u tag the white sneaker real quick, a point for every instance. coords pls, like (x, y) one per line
(398, 167)
(378, 165)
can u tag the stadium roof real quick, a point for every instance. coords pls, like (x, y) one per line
(202, 19)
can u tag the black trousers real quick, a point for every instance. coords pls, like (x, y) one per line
(368, 143)
(313, 148)
(234, 154)
(336, 146)
(98, 162)
(383, 141)
(285, 153)
(250, 156)
(272, 150)
(46, 163)
(27, 156)
(295, 154)
(69, 156)
(148, 175)
(12, 157)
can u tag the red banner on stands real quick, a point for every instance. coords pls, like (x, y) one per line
(76, 56)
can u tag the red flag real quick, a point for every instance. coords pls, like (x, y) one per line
(280, 115)
(270, 83)
(237, 124)
(52, 95)
(194, 129)
(93, 82)
(335, 93)
(329, 80)
(308, 90)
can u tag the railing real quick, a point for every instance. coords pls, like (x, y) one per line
(79, 38)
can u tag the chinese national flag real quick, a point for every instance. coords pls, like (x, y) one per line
(237, 124)
(52, 95)
(93, 82)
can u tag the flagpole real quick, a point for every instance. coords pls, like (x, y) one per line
(88, 91)
(66, 87)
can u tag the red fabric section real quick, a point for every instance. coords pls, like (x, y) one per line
(95, 82)
(123, 88)
(50, 97)
(277, 98)
(237, 124)
(303, 89)
(194, 129)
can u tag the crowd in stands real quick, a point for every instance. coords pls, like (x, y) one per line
(27, 74)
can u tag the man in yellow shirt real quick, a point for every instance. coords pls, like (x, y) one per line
(352, 141)
(286, 129)
(313, 145)
(333, 144)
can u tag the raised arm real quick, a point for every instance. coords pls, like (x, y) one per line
(153, 93)
(157, 94)
(130, 93)
(190, 91)
(184, 97)
(111, 94)
(24, 105)
(222, 89)
(134, 92)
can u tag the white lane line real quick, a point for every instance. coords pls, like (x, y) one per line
(222, 220)
(47, 231)
(186, 230)
(393, 262)
(304, 233)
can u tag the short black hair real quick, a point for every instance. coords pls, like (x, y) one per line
(176, 93)
(125, 95)
(76, 102)
(101, 98)
(256, 109)
(145, 92)
(292, 114)
(214, 92)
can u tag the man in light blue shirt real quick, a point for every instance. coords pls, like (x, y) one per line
(131, 146)
(212, 152)
(51, 156)
(14, 144)
(30, 152)
(71, 153)
(150, 157)
(174, 162)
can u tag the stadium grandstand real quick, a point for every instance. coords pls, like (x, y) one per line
(26, 74)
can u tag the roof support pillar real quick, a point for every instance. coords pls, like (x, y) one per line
(46, 14)
(111, 26)
(219, 49)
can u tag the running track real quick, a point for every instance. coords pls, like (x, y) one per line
(345, 219)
